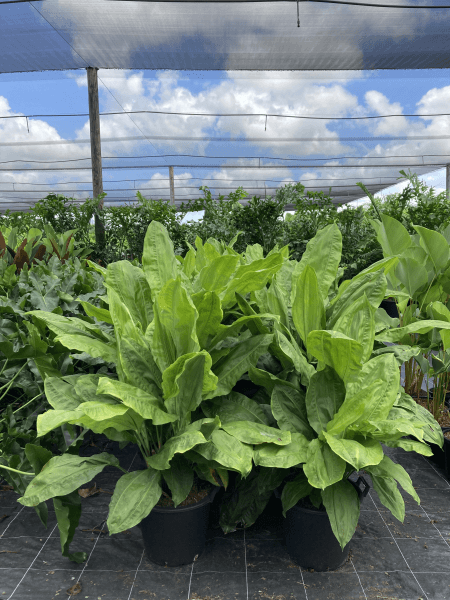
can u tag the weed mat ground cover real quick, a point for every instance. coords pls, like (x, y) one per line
(388, 560)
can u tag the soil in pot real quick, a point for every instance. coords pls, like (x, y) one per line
(310, 540)
(176, 536)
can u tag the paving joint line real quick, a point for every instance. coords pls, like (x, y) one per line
(137, 570)
(95, 544)
(360, 583)
(34, 560)
(246, 569)
(9, 524)
(399, 549)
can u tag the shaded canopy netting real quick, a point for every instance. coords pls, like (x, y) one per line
(238, 37)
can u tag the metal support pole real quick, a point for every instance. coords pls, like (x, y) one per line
(172, 187)
(447, 181)
(96, 151)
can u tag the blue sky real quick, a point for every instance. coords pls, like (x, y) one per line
(349, 93)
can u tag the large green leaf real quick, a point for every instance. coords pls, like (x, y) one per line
(228, 451)
(251, 277)
(323, 254)
(184, 382)
(226, 331)
(235, 407)
(246, 501)
(337, 351)
(359, 454)
(61, 395)
(237, 362)
(179, 478)
(52, 419)
(287, 344)
(370, 395)
(358, 322)
(282, 457)
(398, 333)
(410, 446)
(294, 491)
(68, 512)
(392, 235)
(267, 380)
(323, 467)
(131, 286)
(144, 404)
(289, 409)
(388, 468)
(433, 432)
(158, 259)
(411, 274)
(277, 304)
(324, 396)
(134, 497)
(255, 433)
(190, 375)
(342, 504)
(177, 444)
(124, 324)
(389, 494)
(373, 285)
(101, 314)
(308, 312)
(67, 325)
(92, 346)
(435, 245)
(210, 315)
(98, 411)
(218, 273)
(64, 474)
(175, 325)
(139, 367)
(384, 371)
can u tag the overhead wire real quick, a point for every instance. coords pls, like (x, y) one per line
(165, 112)
(274, 167)
(126, 112)
(346, 2)
(49, 162)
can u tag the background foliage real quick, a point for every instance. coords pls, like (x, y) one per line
(262, 221)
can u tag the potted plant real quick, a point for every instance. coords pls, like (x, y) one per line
(167, 342)
(421, 283)
(338, 400)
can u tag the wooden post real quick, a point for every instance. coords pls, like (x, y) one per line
(447, 181)
(172, 187)
(96, 150)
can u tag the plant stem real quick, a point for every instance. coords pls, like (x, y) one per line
(29, 402)
(16, 471)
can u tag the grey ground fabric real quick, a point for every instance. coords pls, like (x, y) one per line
(389, 560)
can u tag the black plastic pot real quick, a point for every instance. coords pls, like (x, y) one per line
(441, 457)
(390, 306)
(175, 536)
(310, 540)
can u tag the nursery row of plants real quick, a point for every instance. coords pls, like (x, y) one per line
(237, 369)
(121, 229)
